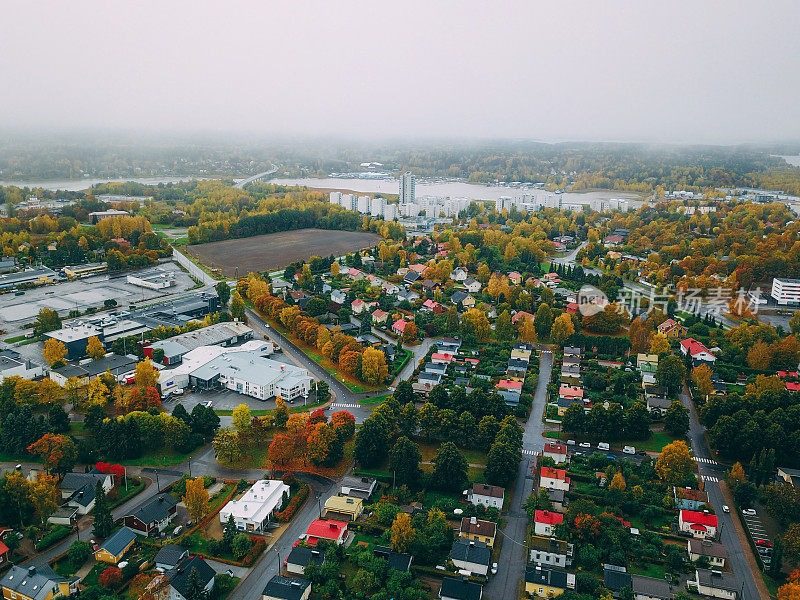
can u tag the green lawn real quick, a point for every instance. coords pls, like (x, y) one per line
(135, 485)
(375, 400)
(161, 458)
(14, 339)
(649, 570)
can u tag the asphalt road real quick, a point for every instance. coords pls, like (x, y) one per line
(512, 561)
(711, 473)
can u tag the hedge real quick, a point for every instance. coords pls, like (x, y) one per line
(59, 533)
(297, 501)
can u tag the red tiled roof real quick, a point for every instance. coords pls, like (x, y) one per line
(327, 530)
(548, 517)
(441, 356)
(509, 385)
(554, 473)
(792, 386)
(693, 347)
(521, 315)
(400, 325)
(692, 516)
(555, 448)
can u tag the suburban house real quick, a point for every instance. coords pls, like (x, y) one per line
(656, 399)
(689, 498)
(472, 556)
(472, 285)
(615, 578)
(651, 588)
(473, 528)
(114, 548)
(699, 524)
(358, 487)
(180, 577)
(521, 315)
(486, 495)
(169, 556)
(441, 358)
(547, 581)
(460, 588)
(338, 296)
(559, 500)
(78, 489)
(647, 363)
(449, 345)
(515, 278)
(672, 329)
(153, 515)
(333, 531)
(287, 588)
(459, 274)
(379, 316)
(398, 561)
(343, 508)
(698, 352)
(300, 557)
(33, 583)
(545, 521)
(550, 551)
(254, 509)
(558, 452)
(716, 553)
(399, 326)
(716, 584)
(4, 551)
(517, 368)
(553, 479)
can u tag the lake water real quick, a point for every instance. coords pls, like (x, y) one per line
(74, 185)
(792, 160)
(454, 189)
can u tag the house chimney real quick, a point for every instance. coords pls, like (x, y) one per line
(473, 520)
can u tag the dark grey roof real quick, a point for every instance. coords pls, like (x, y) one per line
(707, 547)
(458, 296)
(179, 575)
(461, 589)
(118, 541)
(615, 580)
(170, 554)
(303, 556)
(718, 579)
(82, 486)
(397, 560)
(477, 553)
(651, 586)
(286, 588)
(546, 576)
(30, 581)
(155, 509)
(517, 363)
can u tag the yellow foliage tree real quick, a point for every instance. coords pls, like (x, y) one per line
(335, 269)
(478, 323)
(146, 375)
(527, 331)
(196, 499)
(373, 366)
(97, 393)
(49, 391)
(402, 533)
(54, 352)
(659, 344)
(562, 328)
(95, 348)
(674, 463)
(736, 474)
(701, 375)
(617, 482)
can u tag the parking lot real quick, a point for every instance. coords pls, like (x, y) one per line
(80, 294)
(759, 535)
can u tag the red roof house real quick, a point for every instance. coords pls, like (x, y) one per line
(699, 524)
(334, 531)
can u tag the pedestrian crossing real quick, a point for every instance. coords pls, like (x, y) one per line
(709, 478)
(529, 452)
(338, 405)
(707, 461)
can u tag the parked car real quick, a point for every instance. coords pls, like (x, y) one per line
(764, 543)
(603, 446)
(494, 568)
(725, 508)
(629, 450)
(750, 512)
(570, 442)
(585, 445)
(208, 404)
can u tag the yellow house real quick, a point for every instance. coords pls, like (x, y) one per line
(478, 530)
(33, 583)
(547, 582)
(468, 302)
(343, 508)
(114, 548)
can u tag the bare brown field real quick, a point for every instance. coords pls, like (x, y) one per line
(276, 250)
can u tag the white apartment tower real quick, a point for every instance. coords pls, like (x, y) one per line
(407, 188)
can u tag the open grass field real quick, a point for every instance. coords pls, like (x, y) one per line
(276, 250)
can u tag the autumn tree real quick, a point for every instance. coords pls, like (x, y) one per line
(527, 331)
(502, 327)
(242, 418)
(49, 391)
(281, 413)
(58, 452)
(237, 307)
(54, 353)
(736, 475)
(617, 482)
(701, 375)
(45, 496)
(675, 463)
(402, 535)
(95, 348)
(146, 375)
(409, 332)
(476, 323)
(659, 344)
(227, 445)
(638, 334)
(281, 450)
(562, 328)
(373, 366)
(196, 499)
(791, 589)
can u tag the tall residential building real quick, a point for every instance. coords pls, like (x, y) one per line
(786, 291)
(407, 188)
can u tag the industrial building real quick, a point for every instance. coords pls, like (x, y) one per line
(219, 334)
(121, 367)
(86, 270)
(32, 276)
(155, 281)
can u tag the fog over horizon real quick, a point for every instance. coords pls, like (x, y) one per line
(678, 72)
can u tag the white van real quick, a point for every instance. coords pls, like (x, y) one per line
(603, 446)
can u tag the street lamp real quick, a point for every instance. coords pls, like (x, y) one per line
(278, 552)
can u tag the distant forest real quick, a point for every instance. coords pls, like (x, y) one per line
(575, 166)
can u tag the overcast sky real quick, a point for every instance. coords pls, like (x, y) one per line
(694, 71)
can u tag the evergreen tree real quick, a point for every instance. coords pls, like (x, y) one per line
(103, 521)
(228, 533)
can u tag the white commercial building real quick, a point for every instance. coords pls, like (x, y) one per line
(243, 369)
(786, 291)
(155, 281)
(252, 511)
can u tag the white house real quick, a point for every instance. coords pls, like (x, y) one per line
(558, 452)
(716, 553)
(458, 274)
(554, 479)
(486, 495)
(699, 524)
(716, 584)
(338, 296)
(471, 555)
(252, 511)
(545, 522)
(472, 285)
(550, 551)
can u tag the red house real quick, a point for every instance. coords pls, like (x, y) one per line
(333, 531)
